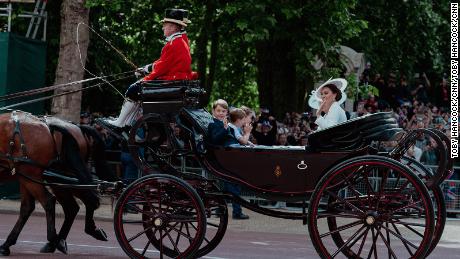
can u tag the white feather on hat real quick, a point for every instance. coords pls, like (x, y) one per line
(315, 98)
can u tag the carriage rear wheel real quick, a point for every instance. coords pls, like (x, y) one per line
(162, 212)
(372, 207)
(437, 197)
(217, 221)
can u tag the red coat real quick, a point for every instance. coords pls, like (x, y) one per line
(174, 62)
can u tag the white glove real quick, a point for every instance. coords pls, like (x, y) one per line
(147, 68)
(141, 71)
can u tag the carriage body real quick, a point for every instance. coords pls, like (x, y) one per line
(340, 174)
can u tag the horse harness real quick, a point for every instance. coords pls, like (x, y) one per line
(23, 157)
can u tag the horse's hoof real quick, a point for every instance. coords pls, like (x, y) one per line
(62, 246)
(98, 234)
(5, 251)
(48, 248)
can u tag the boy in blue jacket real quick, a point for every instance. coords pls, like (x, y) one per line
(221, 134)
(218, 131)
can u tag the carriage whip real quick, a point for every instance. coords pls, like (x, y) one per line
(111, 45)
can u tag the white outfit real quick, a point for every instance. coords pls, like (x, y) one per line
(335, 116)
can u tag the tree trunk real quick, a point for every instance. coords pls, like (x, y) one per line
(202, 42)
(212, 60)
(276, 77)
(264, 70)
(69, 66)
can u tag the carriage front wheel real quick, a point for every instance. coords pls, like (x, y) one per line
(160, 215)
(371, 206)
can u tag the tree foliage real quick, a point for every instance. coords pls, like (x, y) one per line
(405, 36)
(259, 52)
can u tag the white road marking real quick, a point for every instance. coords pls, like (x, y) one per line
(260, 243)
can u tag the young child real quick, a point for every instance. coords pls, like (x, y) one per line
(240, 128)
(220, 134)
(218, 131)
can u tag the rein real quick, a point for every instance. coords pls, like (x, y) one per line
(66, 185)
(53, 87)
(8, 107)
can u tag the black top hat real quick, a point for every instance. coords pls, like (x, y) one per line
(177, 16)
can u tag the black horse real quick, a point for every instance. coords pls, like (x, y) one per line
(89, 198)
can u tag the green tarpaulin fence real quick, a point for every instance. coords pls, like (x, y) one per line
(22, 67)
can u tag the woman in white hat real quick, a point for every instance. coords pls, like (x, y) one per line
(327, 100)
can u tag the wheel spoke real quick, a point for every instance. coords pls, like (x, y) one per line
(161, 244)
(373, 247)
(400, 237)
(362, 243)
(351, 183)
(369, 190)
(344, 227)
(348, 241)
(149, 202)
(159, 198)
(408, 226)
(188, 232)
(405, 245)
(409, 223)
(139, 210)
(344, 201)
(388, 238)
(411, 205)
(382, 186)
(358, 237)
(188, 236)
(145, 248)
(140, 233)
(180, 230)
(212, 224)
(390, 251)
(398, 178)
(172, 242)
(339, 215)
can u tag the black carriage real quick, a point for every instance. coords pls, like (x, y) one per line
(358, 201)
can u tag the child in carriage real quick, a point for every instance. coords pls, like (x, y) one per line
(241, 128)
(221, 133)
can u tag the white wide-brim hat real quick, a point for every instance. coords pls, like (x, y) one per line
(315, 98)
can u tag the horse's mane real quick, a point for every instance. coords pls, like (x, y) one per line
(98, 154)
(70, 154)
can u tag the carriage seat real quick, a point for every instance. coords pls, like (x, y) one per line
(169, 96)
(355, 133)
(200, 120)
(159, 90)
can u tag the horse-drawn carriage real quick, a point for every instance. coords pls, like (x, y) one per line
(357, 200)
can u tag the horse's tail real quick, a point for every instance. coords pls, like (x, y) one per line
(70, 155)
(98, 154)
